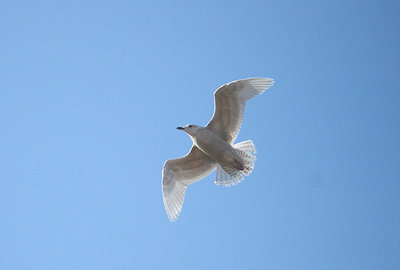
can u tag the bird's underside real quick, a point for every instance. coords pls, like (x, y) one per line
(230, 100)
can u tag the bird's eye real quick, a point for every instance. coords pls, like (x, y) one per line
(190, 126)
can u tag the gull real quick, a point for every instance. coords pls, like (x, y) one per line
(213, 147)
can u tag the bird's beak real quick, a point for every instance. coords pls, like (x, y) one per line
(180, 128)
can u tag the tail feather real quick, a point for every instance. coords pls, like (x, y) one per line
(227, 177)
(231, 175)
(244, 151)
(246, 146)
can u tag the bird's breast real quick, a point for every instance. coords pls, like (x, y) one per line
(214, 146)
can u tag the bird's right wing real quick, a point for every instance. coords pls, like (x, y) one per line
(178, 174)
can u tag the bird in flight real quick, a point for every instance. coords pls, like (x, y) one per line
(213, 146)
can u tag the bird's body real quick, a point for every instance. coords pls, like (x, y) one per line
(213, 146)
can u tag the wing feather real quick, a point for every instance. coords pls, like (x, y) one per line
(178, 174)
(229, 102)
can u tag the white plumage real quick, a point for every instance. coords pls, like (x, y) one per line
(213, 146)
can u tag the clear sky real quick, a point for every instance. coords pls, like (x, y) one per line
(91, 93)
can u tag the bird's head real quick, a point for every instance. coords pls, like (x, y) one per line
(190, 129)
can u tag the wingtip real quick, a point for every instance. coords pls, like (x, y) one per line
(173, 218)
(262, 83)
(172, 213)
(263, 80)
(267, 80)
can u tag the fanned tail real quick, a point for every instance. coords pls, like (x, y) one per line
(228, 175)
(244, 154)
(246, 146)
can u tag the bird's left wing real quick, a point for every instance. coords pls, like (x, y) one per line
(230, 100)
(178, 174)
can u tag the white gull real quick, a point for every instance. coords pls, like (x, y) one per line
(213, 146)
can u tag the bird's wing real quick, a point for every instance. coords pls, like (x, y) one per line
(229, 102)
(179, 173)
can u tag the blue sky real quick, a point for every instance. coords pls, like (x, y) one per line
(91, 93)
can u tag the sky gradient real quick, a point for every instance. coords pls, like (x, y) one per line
(91, 93)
